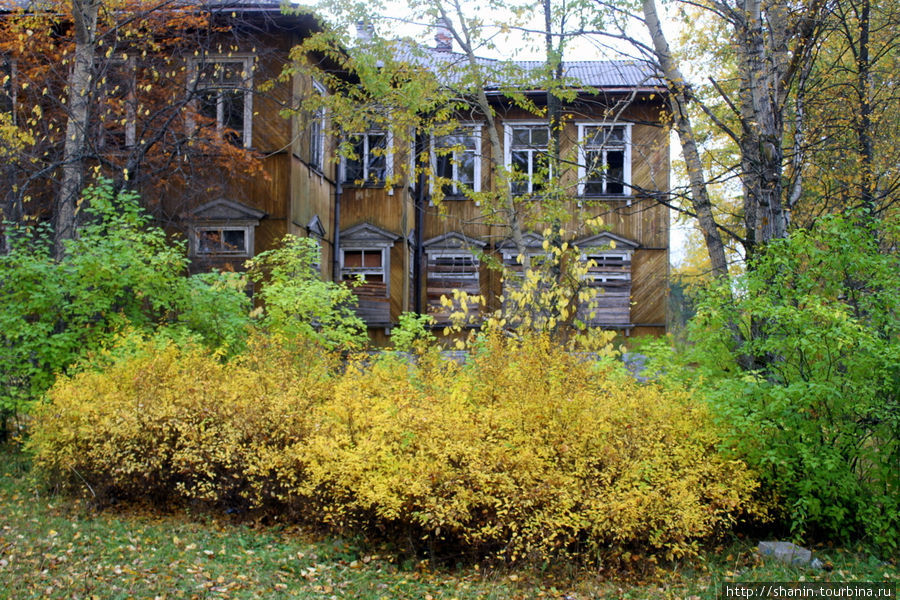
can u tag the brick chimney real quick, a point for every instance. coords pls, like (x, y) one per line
(365, 31)
(443, 39)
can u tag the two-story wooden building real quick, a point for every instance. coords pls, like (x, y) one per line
(386, 229)
(613, 141)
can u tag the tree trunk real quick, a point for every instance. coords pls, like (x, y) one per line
(678, 101)
(84, 17)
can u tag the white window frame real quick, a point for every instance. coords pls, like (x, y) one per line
(474, 275)
(247, 61)
(316, 132)
(475, 133)
(8, 83)
(388, 158)
(627, 191)
(383, 270)
(533, 152)
(129, 63)
(221, 228)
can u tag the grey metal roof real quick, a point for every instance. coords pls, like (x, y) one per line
(600, 74)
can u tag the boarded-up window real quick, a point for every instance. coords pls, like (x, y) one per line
(366, 253)
(610, 277)
(452, 264)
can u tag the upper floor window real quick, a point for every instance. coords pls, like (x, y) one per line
(604, 165)
(7, 84)
(224, 90)
(116, 101)
(526, 152)
(456, 159)
(317, 133)
(370, 162)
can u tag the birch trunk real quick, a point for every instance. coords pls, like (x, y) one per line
(84, 18)
(678, 101)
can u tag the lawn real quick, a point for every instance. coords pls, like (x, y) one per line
(53, 547)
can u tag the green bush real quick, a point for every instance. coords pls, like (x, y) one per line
(801, 361)
(297, 304)
(525, 452)
(120, 274)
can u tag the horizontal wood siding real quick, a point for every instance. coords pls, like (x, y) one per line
(373, 305)
(649, 277)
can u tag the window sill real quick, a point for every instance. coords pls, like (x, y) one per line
(628, 197)
(362, 186)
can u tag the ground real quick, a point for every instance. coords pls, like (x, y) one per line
(54, 547)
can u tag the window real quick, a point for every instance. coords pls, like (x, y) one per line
(222, 241)
(223, 88)
(609, 276)
(457, 267)
(451, 264)
(7, 84)
(526, 150)
(457, 157)
(317, 133)
(371, 163)
(604, 166)
(115, 100)
(223, 229)
(366, 251)
(316, 232)
(368, 264)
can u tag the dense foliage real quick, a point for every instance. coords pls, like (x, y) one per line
(802, 361)
(297, 304)
(119, 274)
(454, 456)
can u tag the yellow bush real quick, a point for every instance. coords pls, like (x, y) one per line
(525, 451)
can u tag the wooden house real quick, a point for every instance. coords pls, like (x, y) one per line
(409, 250)
(613, 136)
(618, 146)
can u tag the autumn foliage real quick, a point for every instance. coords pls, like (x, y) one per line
(145, 130)
(524, 452)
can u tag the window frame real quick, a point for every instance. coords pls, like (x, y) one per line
(354, 271)
(316, 132)
(472, 272)
(197, 229)
(129, 64)
(364, 159)
(248, 60)
(583, 149)
(475, 134)
(508, 135)
(8, 72)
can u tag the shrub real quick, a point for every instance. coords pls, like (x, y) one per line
(818, 412)
(119, 274)
(298, 304)
(523, 452)
(173, 422)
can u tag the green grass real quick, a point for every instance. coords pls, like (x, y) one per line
(53, 547)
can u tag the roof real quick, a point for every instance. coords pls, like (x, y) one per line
(599, 74)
